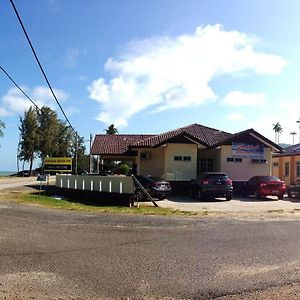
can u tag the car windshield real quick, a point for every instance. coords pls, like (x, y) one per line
(268, 178)
(153, 178)
(216, 176)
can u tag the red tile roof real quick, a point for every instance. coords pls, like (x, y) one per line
(201, 134)
(115, 144)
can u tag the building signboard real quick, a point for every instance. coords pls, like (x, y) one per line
(255, 151)
(58, 164)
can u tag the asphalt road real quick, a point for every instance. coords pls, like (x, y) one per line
(51, 254)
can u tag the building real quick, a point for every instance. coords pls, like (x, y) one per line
(179, 155)
(286, 165)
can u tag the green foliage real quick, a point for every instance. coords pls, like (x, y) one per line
(43, 134)
(278, 130)
(111, 129)
(29, 137)
(2, 126)
(123, 168)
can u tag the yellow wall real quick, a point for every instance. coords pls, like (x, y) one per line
(161, 162)
(279, 170)
(243, 171)
(180, 170)
(155, 164)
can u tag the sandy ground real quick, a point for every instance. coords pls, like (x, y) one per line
(243, 205)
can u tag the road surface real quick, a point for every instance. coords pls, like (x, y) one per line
(52, 254)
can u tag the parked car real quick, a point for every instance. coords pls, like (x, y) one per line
(293, 190)
(211, 184)
(262, 186)
(156, 187)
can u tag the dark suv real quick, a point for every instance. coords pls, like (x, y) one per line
(211, 184)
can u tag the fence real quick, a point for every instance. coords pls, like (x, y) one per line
(106, 184)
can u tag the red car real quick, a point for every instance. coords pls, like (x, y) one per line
(262, 186)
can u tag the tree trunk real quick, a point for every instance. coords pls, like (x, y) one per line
(30, 167)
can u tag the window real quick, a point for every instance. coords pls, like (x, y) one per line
(234, 159)
(275, 164)
(206, 165)
(177, 158)
(298, 168)
(259, 161)
(187, 158)
(182, 158)
(287, 169)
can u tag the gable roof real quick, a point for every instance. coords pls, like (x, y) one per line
(291, 150)
(198, 133)
(252, 133)
(115, 144)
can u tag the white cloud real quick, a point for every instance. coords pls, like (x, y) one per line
(237, 98)
(167, 73)
(14, 102)
(235, 116)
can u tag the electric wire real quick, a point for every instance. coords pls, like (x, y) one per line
(10, 78)
(40, 66)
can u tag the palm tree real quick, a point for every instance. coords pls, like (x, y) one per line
(2, 126)
(278, 129)
(293, 133)
(111, 129)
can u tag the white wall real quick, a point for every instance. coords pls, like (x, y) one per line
(243, 171)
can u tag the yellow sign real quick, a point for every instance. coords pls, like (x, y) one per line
(58, 164)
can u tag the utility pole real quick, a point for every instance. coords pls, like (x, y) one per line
(298, 121)
(91, 157)
(76, 150)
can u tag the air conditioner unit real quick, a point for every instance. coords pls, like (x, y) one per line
(145, 155)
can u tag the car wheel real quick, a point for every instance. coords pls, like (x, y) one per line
(280, 197)
(139, 195)
(199, 195)
(257, 195)
(228, 197)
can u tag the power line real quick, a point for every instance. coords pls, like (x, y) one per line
(38, 62)
(10, 78)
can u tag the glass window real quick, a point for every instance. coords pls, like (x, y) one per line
(298, 168)
(187, 158)
(177, 158)
(205, 165)
(287, 169)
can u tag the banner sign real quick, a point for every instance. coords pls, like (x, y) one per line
(58, 164)
(248, 150)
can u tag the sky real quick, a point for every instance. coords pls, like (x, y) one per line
(153, 66)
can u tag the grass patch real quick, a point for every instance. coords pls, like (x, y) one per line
(51, 202)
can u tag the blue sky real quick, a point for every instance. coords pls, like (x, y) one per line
(153, 66)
